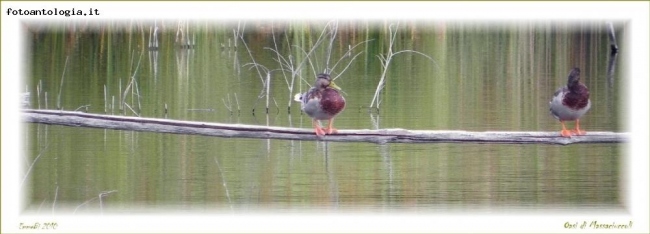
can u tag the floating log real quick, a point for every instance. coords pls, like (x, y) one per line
(381, 136)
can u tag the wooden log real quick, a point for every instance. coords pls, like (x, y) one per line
(381, 136)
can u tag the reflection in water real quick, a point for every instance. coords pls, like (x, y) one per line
(611, 67)
(225, 183)
(374, 121)
(153, 51)
(391, 194)
(333, 186)
(183, 57)
(488, 77)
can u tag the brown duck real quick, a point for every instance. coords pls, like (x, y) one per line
(571, 102)
(322, 102)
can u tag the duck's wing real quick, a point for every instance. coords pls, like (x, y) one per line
(560, 90)
(556, 102)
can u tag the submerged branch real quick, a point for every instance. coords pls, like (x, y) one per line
(381, 136)
(612, 38)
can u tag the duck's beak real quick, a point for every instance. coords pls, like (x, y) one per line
(334, 86)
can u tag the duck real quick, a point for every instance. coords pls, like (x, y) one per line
(322, 102)
(570, 103)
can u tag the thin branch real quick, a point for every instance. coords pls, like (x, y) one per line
(351, 60)
(275, 44)
(420, 53)
(385, 62)
(237, 101)
(56, 195)
(32, 165)
(223, 182)
(241, 36)
(229, 105)
(58, 99)
(84, 106)
(127, 105)
(307, 57)
(333, 31)
(100, 196)
(347, 66)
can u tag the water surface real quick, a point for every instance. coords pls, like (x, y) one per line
(479, 77)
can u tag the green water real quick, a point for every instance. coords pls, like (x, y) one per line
(479, 77)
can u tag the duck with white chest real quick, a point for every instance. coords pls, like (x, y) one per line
(570, 103)
(322, 102)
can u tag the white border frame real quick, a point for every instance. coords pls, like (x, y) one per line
(637, 164)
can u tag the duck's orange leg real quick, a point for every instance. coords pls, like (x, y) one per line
(317, 128)
(565, 132)
(577, 131)
(330, 129)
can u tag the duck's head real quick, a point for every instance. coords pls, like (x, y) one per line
(574, 77)
(324, 81)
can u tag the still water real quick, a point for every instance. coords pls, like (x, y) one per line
(471, 76)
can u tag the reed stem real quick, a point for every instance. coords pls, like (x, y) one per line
(58, 99)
